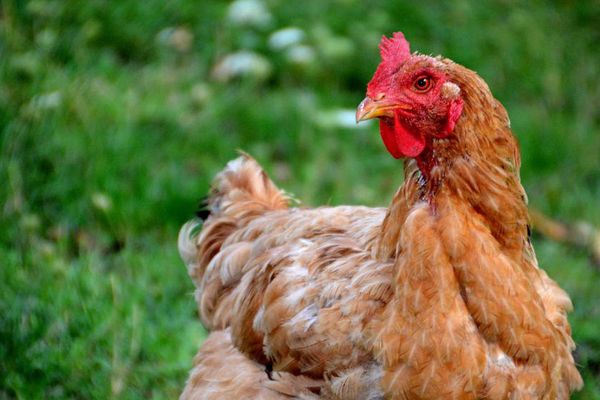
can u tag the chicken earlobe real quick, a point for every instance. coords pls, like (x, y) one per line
(454, 111)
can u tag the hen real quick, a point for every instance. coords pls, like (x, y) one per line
(438, 296)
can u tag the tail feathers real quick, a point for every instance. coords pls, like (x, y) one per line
(241, 191)
(186, 243)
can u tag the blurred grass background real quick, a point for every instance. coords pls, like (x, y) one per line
(115, 116)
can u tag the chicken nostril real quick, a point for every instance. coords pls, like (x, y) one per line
(380, 96)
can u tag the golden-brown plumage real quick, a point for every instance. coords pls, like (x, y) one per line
(222, 372)
(439, 296)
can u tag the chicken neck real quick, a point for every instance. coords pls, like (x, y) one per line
(464, 267)
(475, 170)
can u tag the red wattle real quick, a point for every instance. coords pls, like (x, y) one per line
(400, 141)
(386, 129)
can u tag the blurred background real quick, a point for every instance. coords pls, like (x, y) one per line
(115, 116)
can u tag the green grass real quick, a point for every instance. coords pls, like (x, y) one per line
(113, 124)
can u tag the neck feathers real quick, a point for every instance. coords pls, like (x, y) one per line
(477, 166)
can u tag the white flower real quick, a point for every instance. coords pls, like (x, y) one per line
(248, 13)
(285, 38)
(301, 55)
(242, 63)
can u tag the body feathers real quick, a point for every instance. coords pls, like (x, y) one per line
(438, 296)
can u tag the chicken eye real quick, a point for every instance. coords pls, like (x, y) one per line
(422, 84)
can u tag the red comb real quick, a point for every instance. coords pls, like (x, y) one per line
(394, 52)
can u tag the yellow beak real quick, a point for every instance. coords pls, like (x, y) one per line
(369, 109)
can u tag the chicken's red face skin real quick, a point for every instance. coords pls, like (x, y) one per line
(413, 97)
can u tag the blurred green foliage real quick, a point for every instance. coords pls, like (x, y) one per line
(115, 116)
